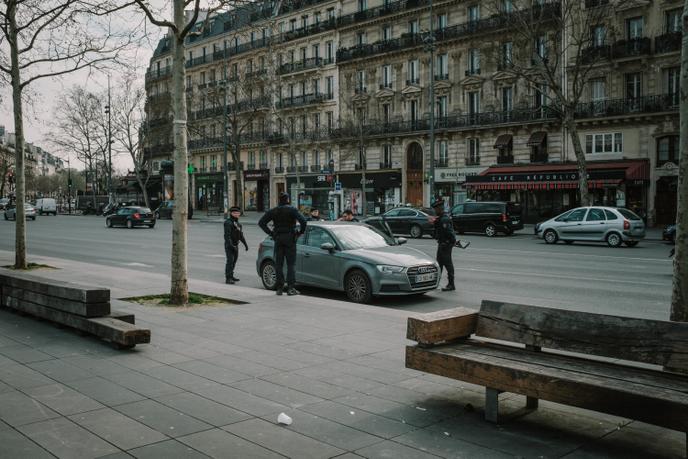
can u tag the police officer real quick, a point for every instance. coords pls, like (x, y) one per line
(233, 235)
(284, 218)
(446, 238)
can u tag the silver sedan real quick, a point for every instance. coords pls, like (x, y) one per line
(354, 258)
(612, 225)
(11, 212)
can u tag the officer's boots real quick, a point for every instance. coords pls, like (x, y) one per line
(450, 285)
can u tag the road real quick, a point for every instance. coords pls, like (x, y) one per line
(588, 277)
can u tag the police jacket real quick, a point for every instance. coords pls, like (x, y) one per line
(283, 220)
(444, 230)
(234, 233)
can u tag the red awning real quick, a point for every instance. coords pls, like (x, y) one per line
(559, 185)
(635, 169)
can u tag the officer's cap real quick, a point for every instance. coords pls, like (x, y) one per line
(234, 209)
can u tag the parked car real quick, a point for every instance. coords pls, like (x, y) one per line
(487, 217)
(4, 202)
(354, 258)
(11, 211)
(46, 206)
(166, 209)
(600, 224)
(669, 234)
(407, 220)
(130, 217)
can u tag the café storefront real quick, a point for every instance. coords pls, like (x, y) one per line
(310, 191)
(257, 189)
(382, 189)
(545, 190)
(209, 188)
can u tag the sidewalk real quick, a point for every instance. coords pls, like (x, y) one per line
(214, 379)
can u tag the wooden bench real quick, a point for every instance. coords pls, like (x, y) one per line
(83, 308)
(628, 367)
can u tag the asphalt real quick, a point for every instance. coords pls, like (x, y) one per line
(215, 378)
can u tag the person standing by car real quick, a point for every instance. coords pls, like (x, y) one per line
(314, 215)
(233, 235)
(446, 238)
(284, 218)
(347, 216)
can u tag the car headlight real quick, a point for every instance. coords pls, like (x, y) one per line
(390, 269)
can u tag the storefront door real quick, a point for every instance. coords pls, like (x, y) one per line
(414, 174)
(666, 199)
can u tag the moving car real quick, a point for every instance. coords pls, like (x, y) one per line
(46, 206)
(669, 234)
(4, 202)
(354, 258)
(11, 211)
(407, 220)
(616, 226)
(489, 218)
(166, 208)
(130, 217)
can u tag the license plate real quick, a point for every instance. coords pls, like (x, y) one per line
(515, 222)
(426, 277)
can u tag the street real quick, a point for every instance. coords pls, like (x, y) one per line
(520, 269)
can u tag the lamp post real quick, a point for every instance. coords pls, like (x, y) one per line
(109, 144)
(225, 172)
(69, 186)
(429, 40)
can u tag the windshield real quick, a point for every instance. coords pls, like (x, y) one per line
(360, 237)
(628, 214)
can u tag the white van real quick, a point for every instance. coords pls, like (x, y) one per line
(46, 206)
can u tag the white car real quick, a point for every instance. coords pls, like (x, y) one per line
(11, 212)
(612, 225)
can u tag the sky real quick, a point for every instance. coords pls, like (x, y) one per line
(44, 93)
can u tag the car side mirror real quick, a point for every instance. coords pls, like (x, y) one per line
(327, 246)
(401, 240)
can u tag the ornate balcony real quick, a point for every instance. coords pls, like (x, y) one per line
(300, 101)
(312, 29)
(668, 42)
(620, 107)
(308, 64)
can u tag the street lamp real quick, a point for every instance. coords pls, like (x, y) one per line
(109, 144)
(429, 40)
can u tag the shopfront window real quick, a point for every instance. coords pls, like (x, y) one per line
(667, 150)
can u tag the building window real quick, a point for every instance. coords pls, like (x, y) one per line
(473, 13)
(541, 47)
(251, 159)
(442, 69)
(413, 111)
(414, 27)
(316, 158)
(213, 163)
(304, 22)
(442, 21)
(507, 6)
(633, 86)
(604, 143)
(360, 38)
(330, 14)
(413, 72)
(292, 25)
(442, 106)
(316, 86)
(474, 102)
(280, 160)
(361, 81)
(507, 99)
(506, 58)
(667, 150)
(599, 36)
(634, 28)
(443, 156)
(330, 121)
(263, 159)
(386, 77)
(361, 158)
(386, 32)
(362, 5)
(672, 84)
(598, 95)
(203, 169)
(329, 87)
(473, 62)
(672, 21)
(315, 52)
(473, 158)
(386, 157)
(329, 52)
(386, 113)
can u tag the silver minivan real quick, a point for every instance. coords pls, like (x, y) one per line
(612, 225)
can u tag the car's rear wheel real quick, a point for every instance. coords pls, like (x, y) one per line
(152, 225)
(614, 240)
(130, 224)
(268, 274)
(108, 222)
(416, 231)
(631, 243)
(551, 236)
(490, 230)
(357, 286)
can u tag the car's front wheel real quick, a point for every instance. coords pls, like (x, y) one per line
(416, 231)
(550, 236)
(358, 288)
(614, 240)
(268, 274)
(130, 224)
(108, 222)
(490, 230)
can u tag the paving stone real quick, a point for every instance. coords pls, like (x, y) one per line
(166, 450)
(327, 431)
(392, 450)
(17, 409)
(120, 455)
(271, 360)
(212, 372)
(20, 376)
(15, 445)
(445, 445)
(420, 415)
(239, 400)
(219, 444)
(95, 365)
(135, 361)
(357, 419)
(66, 439)
(311, 386)
(348, 456)
(241, 365)
(24, 354)
(201, 408)
(120, 430)
(276, 393)
(164, 419)
(282, 440)
(6, 360)
(104, 391)
(62, 399)
(176, 377)
(143, 384)
(60, 371)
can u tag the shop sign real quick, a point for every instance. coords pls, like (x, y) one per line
(456, 175)
(547, 177)
(258, 174)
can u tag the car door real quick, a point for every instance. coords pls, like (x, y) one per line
(457, 216)
(570, 227)
(319, 267)
(595, 225)
(470, 215)
(405, 220)
(120, 217)
(392, 218)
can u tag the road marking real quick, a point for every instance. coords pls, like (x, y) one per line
(555, 276)
(138, 265)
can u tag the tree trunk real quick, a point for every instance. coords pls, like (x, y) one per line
(19, 178)
(583, 191)
(239, 176)
(142, 185)
(679, 290)
(179, 289)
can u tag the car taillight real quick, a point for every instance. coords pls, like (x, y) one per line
(137, 215)
(627, 225)
(505, 218)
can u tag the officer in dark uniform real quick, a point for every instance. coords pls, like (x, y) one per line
(446, 238)
(284, 233)
(233, 235)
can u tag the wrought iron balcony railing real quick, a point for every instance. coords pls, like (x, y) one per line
(619, 107)
(668, 42)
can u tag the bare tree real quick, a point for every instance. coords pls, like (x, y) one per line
(6, 163)
(128, 118)
(679, 293)
(45, 39)
(554, 47)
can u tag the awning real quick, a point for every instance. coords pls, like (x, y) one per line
(562, 185)
(537, 138)
(503, 141)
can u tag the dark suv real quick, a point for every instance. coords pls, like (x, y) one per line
(487, 217)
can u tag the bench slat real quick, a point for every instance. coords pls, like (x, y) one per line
(60, 289)
(650, 341)
(70, 306)
(648, 404)
(441, 326)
